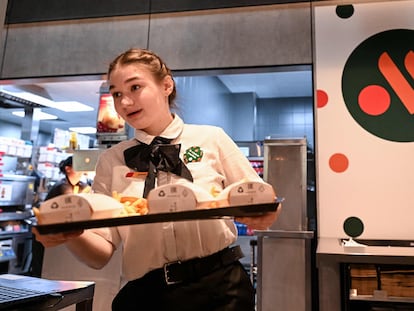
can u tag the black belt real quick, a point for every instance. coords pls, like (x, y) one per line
(193, 269)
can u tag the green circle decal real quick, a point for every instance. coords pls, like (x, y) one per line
(353, 227)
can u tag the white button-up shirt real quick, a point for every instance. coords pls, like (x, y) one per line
(150, 246)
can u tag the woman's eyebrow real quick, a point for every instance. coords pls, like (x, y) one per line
(126, 81)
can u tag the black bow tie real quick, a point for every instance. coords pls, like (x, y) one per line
(160, 155)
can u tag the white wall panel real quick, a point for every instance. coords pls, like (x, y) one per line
(362, 172)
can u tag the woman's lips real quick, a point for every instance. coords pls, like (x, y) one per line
(133, 113)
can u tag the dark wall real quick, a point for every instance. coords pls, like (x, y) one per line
(24, 11)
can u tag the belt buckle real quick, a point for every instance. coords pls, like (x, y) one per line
(166, 273)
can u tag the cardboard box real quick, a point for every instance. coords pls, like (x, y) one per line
(363, 278)
(395, 280)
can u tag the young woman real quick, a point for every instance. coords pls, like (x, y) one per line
(181, 266)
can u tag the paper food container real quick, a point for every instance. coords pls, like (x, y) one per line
(178, 197)
(78, 207)
(247, 192)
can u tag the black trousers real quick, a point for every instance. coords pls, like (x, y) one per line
(226, 289)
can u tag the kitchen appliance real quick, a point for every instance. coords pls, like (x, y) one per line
(285, 168)
(16, 198)
(16, 193)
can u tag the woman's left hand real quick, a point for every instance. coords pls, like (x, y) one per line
(260, 222)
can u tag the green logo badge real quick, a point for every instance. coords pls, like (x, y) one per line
(193, 154)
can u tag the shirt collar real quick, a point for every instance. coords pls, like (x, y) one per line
(173, 130)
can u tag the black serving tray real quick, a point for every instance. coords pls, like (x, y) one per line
(212, 213)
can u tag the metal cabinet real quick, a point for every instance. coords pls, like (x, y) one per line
(283, 270)
(284, 251)
(285, 167)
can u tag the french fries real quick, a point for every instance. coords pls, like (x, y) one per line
(36, 213)
(132, 205)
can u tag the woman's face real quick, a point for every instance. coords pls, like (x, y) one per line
(139, 99)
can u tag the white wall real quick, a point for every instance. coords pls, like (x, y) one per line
(376, 185)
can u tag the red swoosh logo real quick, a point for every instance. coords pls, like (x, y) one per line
(409, 63)
(396, 79)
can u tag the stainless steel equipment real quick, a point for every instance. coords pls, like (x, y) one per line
(16, 198)
(285, 168)
(284, 270)
(16, 192)
(284, 251)
(85, 160)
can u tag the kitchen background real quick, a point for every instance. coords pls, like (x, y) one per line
(204, 46)
(250, 106)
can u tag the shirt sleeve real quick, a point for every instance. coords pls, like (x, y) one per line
(102, 184)
(103, 178)
(235, 164)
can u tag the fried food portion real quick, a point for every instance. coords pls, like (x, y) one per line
(36, 213)
(132, 205)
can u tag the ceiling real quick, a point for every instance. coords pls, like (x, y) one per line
(295, 83)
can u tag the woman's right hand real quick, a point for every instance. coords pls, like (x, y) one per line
(50, 240)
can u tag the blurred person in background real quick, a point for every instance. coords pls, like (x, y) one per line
(71, 183)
